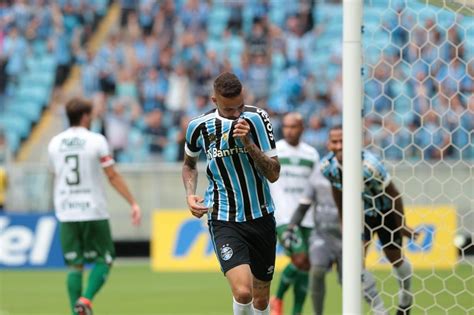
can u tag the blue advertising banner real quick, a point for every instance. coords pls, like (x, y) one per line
(29, 241)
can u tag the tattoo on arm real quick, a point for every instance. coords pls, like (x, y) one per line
(190, 174)
(267, 166)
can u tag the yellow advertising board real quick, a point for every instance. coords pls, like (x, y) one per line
(434, 247)
(181, 242)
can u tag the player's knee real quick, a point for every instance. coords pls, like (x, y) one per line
(260, 302)
(318, 272)
(243, 294)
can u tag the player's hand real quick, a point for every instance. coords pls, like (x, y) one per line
(409, 232)
(242, 131)
(289, 237)
(195, 205)
(136, 214)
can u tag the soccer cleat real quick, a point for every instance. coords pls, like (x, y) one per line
(276, 306)
(83, 306)
(405, 303)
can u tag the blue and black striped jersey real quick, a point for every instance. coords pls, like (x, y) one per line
(376, 179)
(237, 191)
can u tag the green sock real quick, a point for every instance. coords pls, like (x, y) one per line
(287, 278)
(97, 278)
(300, 288)
(74, 286)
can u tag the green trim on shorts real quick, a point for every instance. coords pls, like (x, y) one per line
(302, 243)
(87, 242)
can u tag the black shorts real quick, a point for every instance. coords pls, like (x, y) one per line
(386, 227)
(252, 242)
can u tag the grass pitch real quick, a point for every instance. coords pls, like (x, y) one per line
(133, 289)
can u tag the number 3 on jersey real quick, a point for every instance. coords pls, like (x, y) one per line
(72, 161)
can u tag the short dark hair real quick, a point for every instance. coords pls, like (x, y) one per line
(76, 108)
(335, 127)
(227, 85)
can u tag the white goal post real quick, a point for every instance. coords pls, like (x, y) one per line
(352, 158)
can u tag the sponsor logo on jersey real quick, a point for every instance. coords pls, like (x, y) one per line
(72, 144)
(267, 122)
(213, 153)
(75, 205)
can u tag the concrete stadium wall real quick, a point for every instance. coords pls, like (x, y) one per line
(159, 186)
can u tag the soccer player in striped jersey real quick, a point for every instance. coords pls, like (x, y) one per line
(383, 211)
(76, 157)
(241, 158)
(297, 160)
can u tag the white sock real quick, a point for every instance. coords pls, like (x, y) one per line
(371, 293)
(404, 273)
(264, 312)
(242, 309)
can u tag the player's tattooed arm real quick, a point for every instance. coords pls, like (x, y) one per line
(190, 174)
(267, 166)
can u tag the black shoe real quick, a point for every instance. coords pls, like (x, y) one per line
(404, 310)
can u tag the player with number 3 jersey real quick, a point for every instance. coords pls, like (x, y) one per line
(77, 157)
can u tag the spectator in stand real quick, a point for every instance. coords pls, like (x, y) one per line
(89, 74)
(181, 137)
(194, 15)
(14, 51)
(178, 97)
(156, 132)
(259, 77)
(127, 7)
(109, 59)
(258, 40)
(154, 89)
(146, 11)
(316, 134)
(118, 124)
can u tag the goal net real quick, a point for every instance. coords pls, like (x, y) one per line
(418, 116)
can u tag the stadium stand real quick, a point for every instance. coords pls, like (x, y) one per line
(37, 43)
(155, 69)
